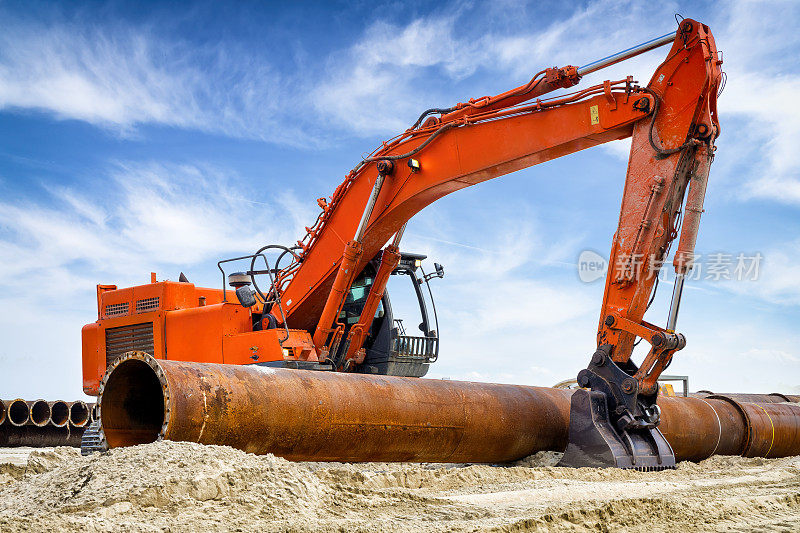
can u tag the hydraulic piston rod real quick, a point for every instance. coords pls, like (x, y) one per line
(628, 53)
(675, 304)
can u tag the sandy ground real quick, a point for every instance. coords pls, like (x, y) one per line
(170, 486)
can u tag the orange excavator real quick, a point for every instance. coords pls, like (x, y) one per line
(322, 303)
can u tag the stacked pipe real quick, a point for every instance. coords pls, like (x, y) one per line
(40, 423)
(326, 416)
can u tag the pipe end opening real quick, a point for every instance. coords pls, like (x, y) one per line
(59, 413)
(40, 413)
(79, 414)
(18, 413)
(132, 404)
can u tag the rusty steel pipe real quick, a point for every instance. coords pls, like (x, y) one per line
(40, 437)
(773, 429)
(3, 412)
(326, 416)
(59, 413)
(79, 414)
(697, 428)
(18, 412)
(773, 397)
(39, 412)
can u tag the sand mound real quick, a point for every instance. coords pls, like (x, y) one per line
(188, 487)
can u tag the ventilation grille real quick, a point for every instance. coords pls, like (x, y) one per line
(148, 304)
(117, 309)
(136, 337)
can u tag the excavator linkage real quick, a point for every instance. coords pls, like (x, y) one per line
(612, 423)
(594, 442)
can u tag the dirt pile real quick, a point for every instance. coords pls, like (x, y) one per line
(187, 487)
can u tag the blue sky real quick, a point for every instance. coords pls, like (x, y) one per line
(165, 136)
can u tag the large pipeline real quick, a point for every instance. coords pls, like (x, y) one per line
(326, 416)
(3, 409)
(773, 397)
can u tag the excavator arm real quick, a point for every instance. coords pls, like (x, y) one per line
(673, 124)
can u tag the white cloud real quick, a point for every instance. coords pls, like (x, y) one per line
(503, 316)
(393, 72)
(761, 60)
(778, 279)
(149, 215)
(368, 85)
(777, 356)
(120, 77)
(495, 313)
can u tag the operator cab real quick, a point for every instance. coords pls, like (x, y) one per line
(390, 348)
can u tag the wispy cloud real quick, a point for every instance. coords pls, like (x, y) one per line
(499, 300)
(136, 218)
(149, 216)
(759, 110)
(393, 72)
(778, 280)
(120, 77)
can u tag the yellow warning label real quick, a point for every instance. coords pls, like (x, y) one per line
(594, 113)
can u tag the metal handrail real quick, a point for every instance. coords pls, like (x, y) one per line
(412, 346)
(272, 280)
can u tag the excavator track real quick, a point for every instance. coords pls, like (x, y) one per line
(93, 439)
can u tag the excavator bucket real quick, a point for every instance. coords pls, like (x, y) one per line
(595, 442)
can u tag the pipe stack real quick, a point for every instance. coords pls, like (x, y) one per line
(39, 423)
(327, 416)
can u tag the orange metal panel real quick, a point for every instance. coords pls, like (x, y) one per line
(196, 334)
(94, 364)
(253, 347)
(212, 296)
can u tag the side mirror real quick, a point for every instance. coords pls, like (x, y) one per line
(246, 296)
(438, 274)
